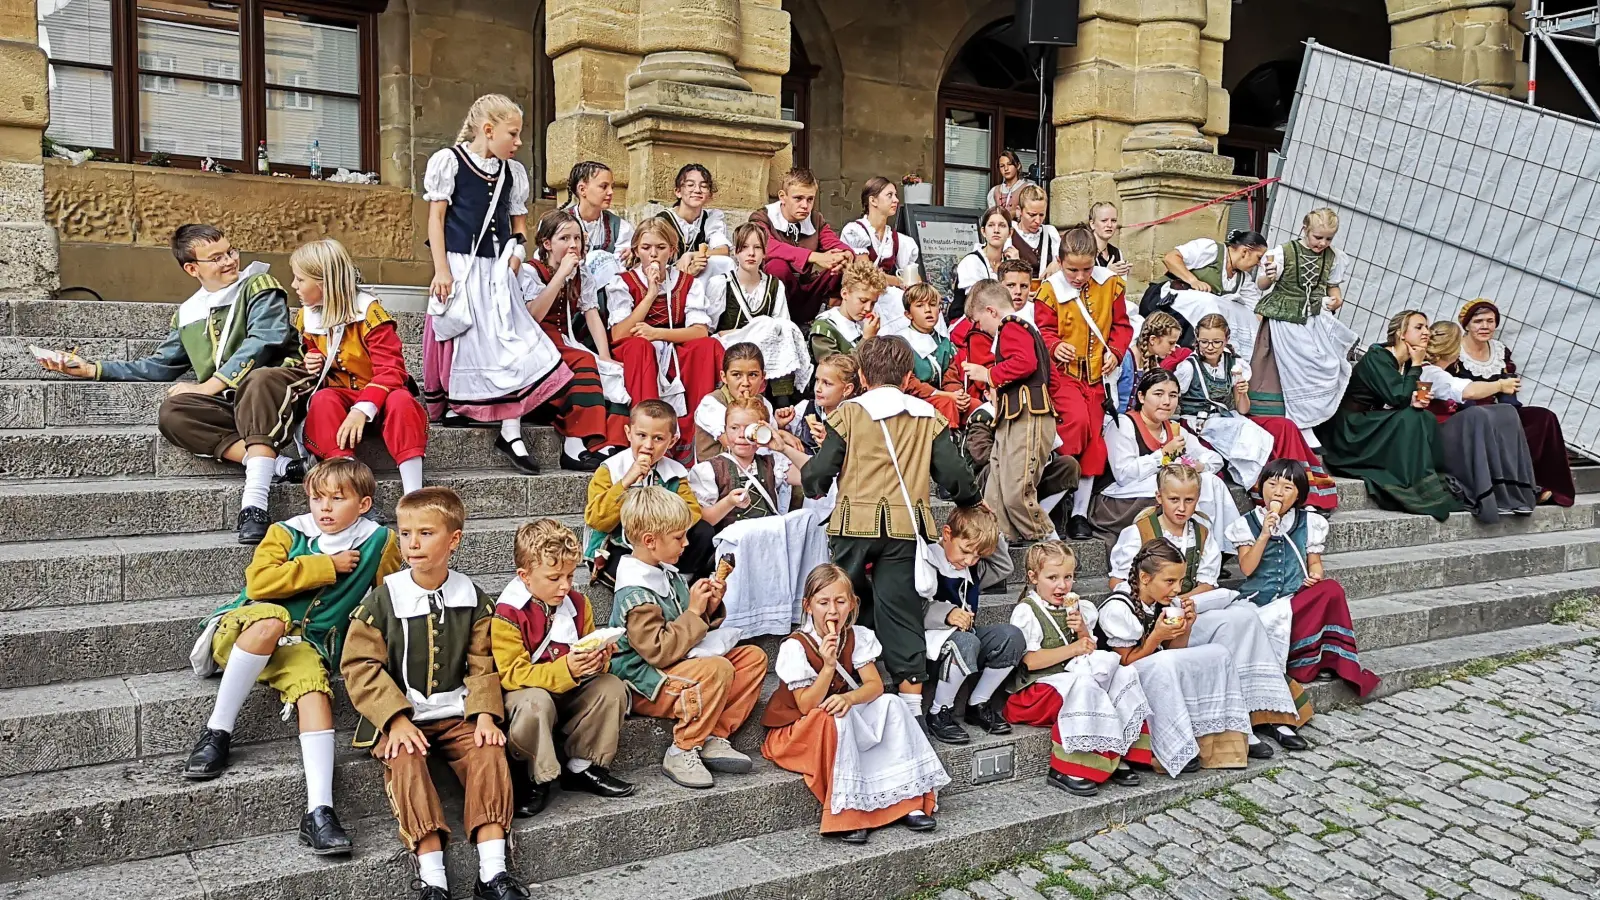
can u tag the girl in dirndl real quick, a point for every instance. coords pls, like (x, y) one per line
(706, 251)
(484, 358)
(874, 237)
(1208, 277)
(748, 305)
(862, 753)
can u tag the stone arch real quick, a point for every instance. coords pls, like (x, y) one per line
(825, 119)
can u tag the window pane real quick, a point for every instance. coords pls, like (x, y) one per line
(787, 101)
(966, 188)
(303, 52)
(295, 119)
(187, 37)
(80, 107)
(189, 117)
(79, 30)
(966, 138)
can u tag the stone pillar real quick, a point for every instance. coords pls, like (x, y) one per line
(29, 257)
(1466, 41)
(1138, 104)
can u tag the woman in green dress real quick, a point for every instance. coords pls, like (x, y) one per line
(1383, 432)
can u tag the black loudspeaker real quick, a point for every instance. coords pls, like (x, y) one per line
(1052, 22)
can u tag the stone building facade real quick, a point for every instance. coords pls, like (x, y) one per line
(1135, 114)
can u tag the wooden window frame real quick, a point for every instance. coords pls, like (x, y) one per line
(251, 83)
(798, 80)
(997, 104)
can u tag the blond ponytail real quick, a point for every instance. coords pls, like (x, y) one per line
(490, 108)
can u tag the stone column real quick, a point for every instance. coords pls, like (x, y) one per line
(1466, 41)
(29, 257)
(1138, 104)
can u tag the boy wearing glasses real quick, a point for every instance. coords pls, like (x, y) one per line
(235, 334)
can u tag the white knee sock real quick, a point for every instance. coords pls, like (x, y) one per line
(573, 447)
(1080, 500)
(411, 474)
(238, 677)
(280, 466)
(913, 704)
(578, 764)
(1048, 504)
(944, 694)
(491, 859)
(988, 682)
(316, 754)
(511, 429)
(258, 472)
(430, 868)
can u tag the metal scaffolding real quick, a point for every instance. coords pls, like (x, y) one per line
(1580, 26)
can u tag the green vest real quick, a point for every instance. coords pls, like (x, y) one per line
(321, 616)
(930, 369)
(733, 315)
(202, 337)
(1206, 392)
(627, 664)
(1298, 294)
(1149, 525)
(1212, 274)
(1053, 622)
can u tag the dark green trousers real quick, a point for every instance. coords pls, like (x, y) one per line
(890, 604)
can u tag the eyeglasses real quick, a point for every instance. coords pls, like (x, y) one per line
(1210, 343)
(218, 259)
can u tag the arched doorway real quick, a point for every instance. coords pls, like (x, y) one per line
(989, 101)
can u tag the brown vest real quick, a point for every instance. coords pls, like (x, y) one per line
(728, 478)
(1030, 395)
(870, 503)
(782, 709)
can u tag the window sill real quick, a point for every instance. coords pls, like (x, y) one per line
(185, 171)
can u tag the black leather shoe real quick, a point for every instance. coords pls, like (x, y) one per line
(917, 820)
(253, 525)
(429, 892)
(209, 757)
(1123, 776)
(1192, 766)
(1261, 750)
(595, 780)
(1083, 787)
(987, 716)
(320, 830)
(943, 728)
(293, 473)
(500, 887)
(524, 464)
(859, 836)
(1290, 741)
(587, 461)
(527, 798)
(1079, 528)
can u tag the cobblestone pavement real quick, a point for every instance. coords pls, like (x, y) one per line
(1486, 787)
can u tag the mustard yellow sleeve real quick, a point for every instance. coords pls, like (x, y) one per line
(516, 666)
(482, 681)
(272, 575)
(687, 493)
(602, 510)
(364, 665)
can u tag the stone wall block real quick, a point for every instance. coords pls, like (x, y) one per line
(481, 53)
(1072, 195)
(29, 260)
(21, 192)
(19, 20)
(598, 24)
(591, 79)
(1169, 44)
(1102, 41)
(1219, 108)
(1171, 95)
(91, 202)
(1219, 20)
(706, 26)
(513, 13)
(581, 136)
(1211, 53)
(24, 103)
(1095, 92)
(1090, 146)
(765, 44)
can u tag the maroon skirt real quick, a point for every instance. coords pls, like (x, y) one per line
(1549, 449)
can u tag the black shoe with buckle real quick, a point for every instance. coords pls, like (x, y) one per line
(524, 462)
(1083, 787)
(917, 820)
(528, 798)
(1124, 776)
(253, 525)
(587, 461)
(988, 717)
(209, 758)
(320, 830)
(596, 780)
(943, 728)
(500, 887)
(1288, 741)
(294, 472)
(1261, 750)
(1079, 528)
(859, 836)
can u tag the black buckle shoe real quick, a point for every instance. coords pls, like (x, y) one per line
(527, 798)
(294, 472)
(1124, 776)
(209, 758)
(587, 461)
(523, 463)
(253, 525)
(1079, 528)
(500, 887)
(320, 830)
(942, 727)
(595, 780)
(1083, 787)
(917, 820)
(1291, 741)
(1261, 750)
(988, 717)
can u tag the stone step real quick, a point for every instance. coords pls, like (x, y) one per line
(82, 320)
(102, 720)
(105, 638)
(87, 508)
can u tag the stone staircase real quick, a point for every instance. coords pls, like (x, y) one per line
(114, 545)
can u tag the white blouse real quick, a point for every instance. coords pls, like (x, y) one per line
(1129, 542)
(619, 300)
(587, 299)
(973, 268)
(1336, 272)
(715, 233)
(717, 296)
(703, 481)
(795, 670)
(439, 181)
(1316, 528)
(1047, 241)
(1185, 372)
(858, 237)
(1118, 624)
(594, 233)
(1445, 386)
(1135, 472)
(1028, 623)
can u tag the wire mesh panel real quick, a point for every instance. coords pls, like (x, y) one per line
(1445, 194)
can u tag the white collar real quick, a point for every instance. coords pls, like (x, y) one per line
(850, 331)
(941, 562)
(1025, 314)
(490, 164)
(666, 468)
(631, 572)
(202, 302)
(313, 323)
(410, 600)
(924, 345)
(1285, 521)
(516, 596)
(338, 542)
(779, 220)
(1032, 239)
(1066, 292)
(885, 402)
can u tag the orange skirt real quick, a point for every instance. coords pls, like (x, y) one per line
(807, 747)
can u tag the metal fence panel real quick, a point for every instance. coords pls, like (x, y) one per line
(1445, 194)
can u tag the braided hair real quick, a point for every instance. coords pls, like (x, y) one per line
(1157, 324)
(1155, 553)
(580, 173)
(1042, 554)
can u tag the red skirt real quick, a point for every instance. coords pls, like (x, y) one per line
(581, 409)
(1038, 705)
(1549, 449)
(1322, 637)
(1289, 443)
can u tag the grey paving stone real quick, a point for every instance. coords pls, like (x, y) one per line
(1495, 789)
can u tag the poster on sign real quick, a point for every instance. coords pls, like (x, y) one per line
(943, 234)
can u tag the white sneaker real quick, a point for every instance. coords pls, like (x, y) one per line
(686, 769)
(719, 756)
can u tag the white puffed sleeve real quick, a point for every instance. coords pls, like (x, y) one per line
(1210, 569)
(1028, 623)
(855, 236)
(619, 301)
(1316, 532)
(1336, 272)
(970, 271)
(519, 188)
(1239, 533)
(1119, 626)
(867, 648)
(1198, 253)
(1128, 466)
(780, 303)
(1445, 386)
(717, 294)
(624, 236)
(696, 308)
(1185, 375)
(439, 181)
(1209, 460)
(792, 667)
(703, 482)
(1123, 552)
(716, 230)
(909, 254)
